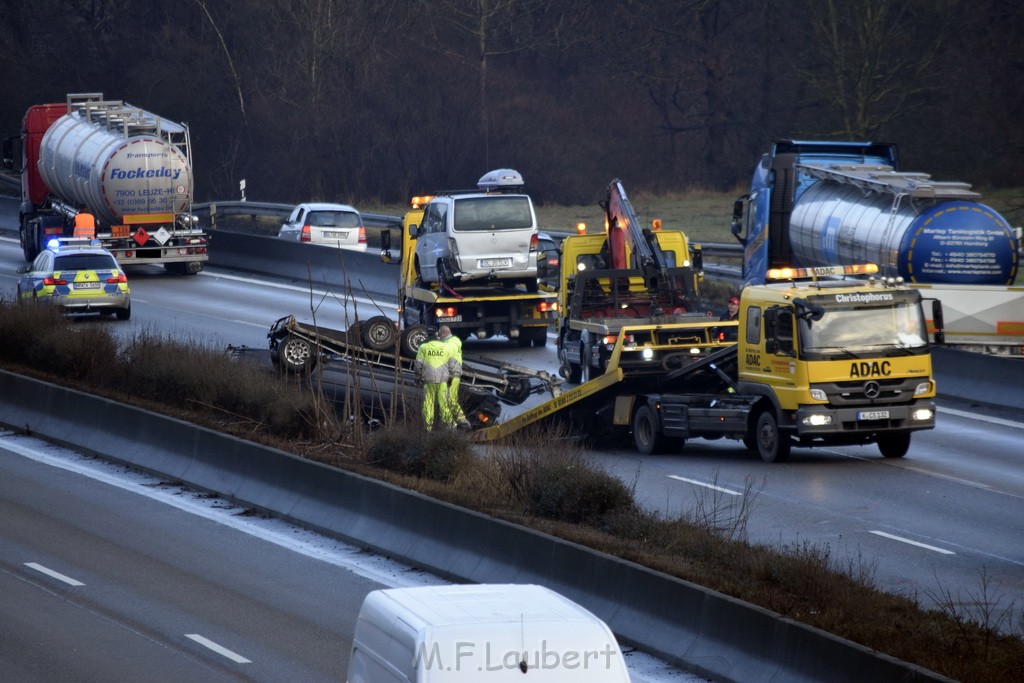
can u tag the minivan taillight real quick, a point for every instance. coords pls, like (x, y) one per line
(304, 237)
(362, 235)
(534, 243)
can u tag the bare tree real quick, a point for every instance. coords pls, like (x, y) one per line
(874, 58)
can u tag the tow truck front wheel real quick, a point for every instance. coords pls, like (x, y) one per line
(894, 445)
(648, 438)
(296, 355)
(772, 445)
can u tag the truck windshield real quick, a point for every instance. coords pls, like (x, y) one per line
(861, 330)
(479, 214)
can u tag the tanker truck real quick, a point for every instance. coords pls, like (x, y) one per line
(129, 168)
(819, 203)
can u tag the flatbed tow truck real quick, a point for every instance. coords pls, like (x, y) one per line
(484, 309)
(823, 362)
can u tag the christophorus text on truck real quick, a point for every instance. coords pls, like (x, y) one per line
(131, 169)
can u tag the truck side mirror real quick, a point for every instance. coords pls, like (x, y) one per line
(385, 245)
(940, 333)
(737, 219)
(414, 230)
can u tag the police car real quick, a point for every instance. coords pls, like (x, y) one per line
(80, 276)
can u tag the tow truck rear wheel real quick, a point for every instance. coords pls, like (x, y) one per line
(772, 445)
(894, 445)
(567, 369)
(296, 355)
(378, 334)
(648, 438)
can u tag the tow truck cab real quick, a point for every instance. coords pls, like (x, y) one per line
(842, 361)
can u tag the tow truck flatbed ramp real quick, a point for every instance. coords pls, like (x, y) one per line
(702, 375)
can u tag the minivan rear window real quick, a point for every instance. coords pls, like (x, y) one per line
(492, 213)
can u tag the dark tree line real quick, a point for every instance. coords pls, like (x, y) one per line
(376, 100)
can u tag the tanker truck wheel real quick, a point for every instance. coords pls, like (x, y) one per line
(894, 445)
(296, 355)
(772, 444)
(184, 268)
(29, 242)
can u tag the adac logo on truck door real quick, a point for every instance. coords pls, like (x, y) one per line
(871, 369)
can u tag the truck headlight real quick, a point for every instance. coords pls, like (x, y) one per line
(819, 395)
(818, 420)
(647, 353)
(922, 388)
(923, 414)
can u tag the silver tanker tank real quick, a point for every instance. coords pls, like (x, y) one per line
(117, 160)
(920, 240)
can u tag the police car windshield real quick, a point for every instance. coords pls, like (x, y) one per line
(84, 262)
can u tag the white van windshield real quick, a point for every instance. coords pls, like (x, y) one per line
(480, 214)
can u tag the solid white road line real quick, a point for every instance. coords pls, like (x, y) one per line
(223, 651)
(56, 575)
(982, 418)
(907, 540)
(705, 485)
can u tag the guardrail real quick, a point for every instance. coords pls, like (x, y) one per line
(278, 211)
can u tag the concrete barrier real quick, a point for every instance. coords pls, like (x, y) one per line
(979, 378)
(683, 623)
(309, 264)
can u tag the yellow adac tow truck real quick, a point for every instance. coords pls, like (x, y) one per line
(823, 358)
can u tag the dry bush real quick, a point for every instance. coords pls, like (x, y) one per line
(43, 338)
(191, 375)
(547, 476)
(407, 448)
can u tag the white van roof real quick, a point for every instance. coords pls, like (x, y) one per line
(489, 631)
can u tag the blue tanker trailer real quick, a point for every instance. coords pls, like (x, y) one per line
(818, 203)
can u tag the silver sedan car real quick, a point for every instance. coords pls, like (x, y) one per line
(334, 225)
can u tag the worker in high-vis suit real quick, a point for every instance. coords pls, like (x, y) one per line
(454, 345)
(433, 367)
(85, 226)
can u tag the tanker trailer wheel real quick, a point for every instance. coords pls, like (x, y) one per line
(296, 355)
(894, 445)
(648, 438)
(379, 334)
(411, 338)
(772, 445)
